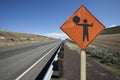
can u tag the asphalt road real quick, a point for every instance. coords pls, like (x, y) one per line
(15, 61)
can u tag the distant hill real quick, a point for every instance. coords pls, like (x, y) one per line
(112, 30)
(18, 34)
(8, 38)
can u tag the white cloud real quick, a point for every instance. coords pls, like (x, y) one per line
(112, 25)
(56, 35)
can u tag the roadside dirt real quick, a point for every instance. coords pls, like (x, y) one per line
(71, 67)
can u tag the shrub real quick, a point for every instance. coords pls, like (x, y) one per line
(105, 55)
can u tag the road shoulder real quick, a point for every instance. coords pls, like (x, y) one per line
(71, 66)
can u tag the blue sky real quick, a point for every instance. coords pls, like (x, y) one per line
(46, 16)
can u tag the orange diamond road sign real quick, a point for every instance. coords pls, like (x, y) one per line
(82, 27)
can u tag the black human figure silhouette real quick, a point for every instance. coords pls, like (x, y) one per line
(76, 19)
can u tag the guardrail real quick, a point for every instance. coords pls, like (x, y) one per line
(47, 71)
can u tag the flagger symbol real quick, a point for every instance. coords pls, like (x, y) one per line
(85, 25)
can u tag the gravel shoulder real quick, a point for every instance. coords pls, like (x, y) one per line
(71, 67)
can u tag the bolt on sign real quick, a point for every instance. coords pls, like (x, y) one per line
(82, 27)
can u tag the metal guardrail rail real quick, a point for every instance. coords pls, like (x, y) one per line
(47, 71)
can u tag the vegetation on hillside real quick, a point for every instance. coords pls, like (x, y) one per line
(112, 30)
(105, 55)
(17, 34)
(14, 38)
(110, 59)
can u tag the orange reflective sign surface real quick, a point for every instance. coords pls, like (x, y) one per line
(82, 27)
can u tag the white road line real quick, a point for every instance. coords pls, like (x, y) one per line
(18, 78)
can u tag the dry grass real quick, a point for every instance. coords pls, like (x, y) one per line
(72, 46)
(14, 38)
(110, 41)
(100, 55)
(17, 34)
(106, 49)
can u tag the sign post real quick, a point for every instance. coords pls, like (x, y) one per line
(82, 27)
(83, 65)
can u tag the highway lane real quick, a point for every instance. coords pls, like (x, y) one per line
(13, 62)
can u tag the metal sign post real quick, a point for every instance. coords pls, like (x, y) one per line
(83, 65)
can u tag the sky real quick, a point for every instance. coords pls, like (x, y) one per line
(46, 16)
